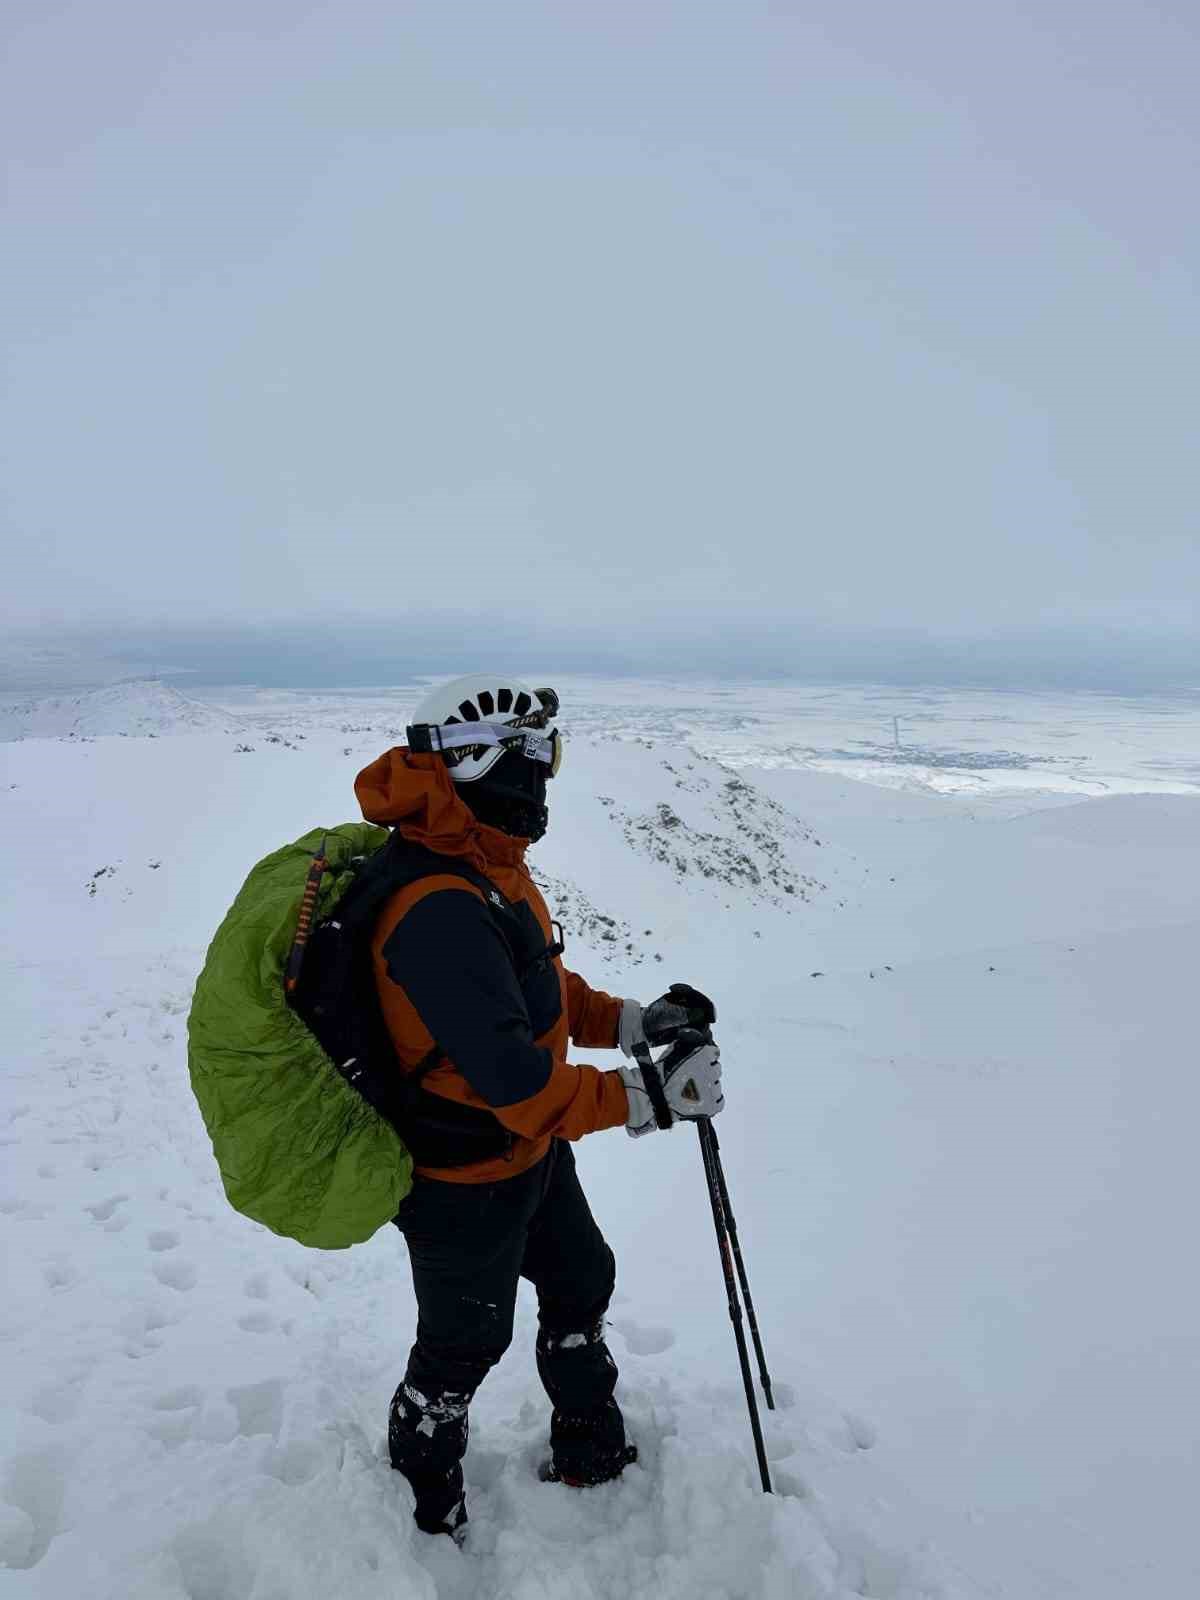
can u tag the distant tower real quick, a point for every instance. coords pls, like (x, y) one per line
(896, 731)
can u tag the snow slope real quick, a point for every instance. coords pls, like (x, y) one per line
(141, 706)
(958, 1140)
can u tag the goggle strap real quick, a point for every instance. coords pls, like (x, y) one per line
(440, 738)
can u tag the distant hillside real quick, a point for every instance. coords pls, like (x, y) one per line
(143, 708)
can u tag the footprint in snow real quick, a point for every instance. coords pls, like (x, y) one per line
(259, 1407)
(644, 1340)
(33, 1489)
(179, 1275)
(298, 1462)
(103, 1210)
(57, 1402)
(256, 1322)
(162, 1239)
(863, 1432)
(790, 1485)
(212, 1559)
(172, 1428)
(178, 1399)
(867, 1568)
(485, 1468)
(175, 1416)
(141, 1327)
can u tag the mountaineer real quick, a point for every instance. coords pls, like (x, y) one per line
(480, 1010)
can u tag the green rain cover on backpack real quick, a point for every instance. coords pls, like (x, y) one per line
(298, 1148)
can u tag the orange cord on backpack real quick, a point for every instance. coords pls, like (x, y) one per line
(308, 905)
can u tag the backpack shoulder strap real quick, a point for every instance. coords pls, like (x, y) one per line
(392, 868)
(395, 865)
(418, 862)
(337, 999)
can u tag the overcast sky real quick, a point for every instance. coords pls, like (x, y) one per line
(882, 314)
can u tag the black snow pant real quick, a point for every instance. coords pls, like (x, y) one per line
(468, 1244)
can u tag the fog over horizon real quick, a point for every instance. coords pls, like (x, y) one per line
(316, 653)
(754, 337)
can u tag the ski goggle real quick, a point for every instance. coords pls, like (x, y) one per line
(455, 741)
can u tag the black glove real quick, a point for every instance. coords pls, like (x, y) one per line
(665, 1018)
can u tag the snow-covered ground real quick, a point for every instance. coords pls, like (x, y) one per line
(959, 1049)
(143, 708)
(1000, 750)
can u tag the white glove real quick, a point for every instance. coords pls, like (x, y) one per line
(685, 1081)
(631, 1032)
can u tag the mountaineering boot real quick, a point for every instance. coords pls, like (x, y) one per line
(454, 1526)
(588, 1447)
(427, 1439)
(587, 1430)
(587, 1475)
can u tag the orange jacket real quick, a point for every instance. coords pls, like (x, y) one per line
(439, 963)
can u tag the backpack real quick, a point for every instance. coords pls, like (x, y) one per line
(313, 1124)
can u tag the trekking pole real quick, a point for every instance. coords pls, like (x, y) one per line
(715, 1179)
(718, 1196)
(731, 1225)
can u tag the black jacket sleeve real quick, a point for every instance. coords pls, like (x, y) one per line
(451, 960)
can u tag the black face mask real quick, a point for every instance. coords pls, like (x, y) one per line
(511, 796)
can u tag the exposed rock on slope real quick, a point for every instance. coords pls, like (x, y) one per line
(612, 939)
(703, 840)
(737, 836)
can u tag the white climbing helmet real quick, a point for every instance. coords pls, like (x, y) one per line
(495, 697)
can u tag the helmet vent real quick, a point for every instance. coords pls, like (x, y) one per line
(466, 705)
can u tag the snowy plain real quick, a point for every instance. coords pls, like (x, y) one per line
(957, 1023)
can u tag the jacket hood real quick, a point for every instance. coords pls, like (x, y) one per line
(416, 795)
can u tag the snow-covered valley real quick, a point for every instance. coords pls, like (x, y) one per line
(956, 1022)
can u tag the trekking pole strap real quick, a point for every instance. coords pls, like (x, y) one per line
(652, 1081)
